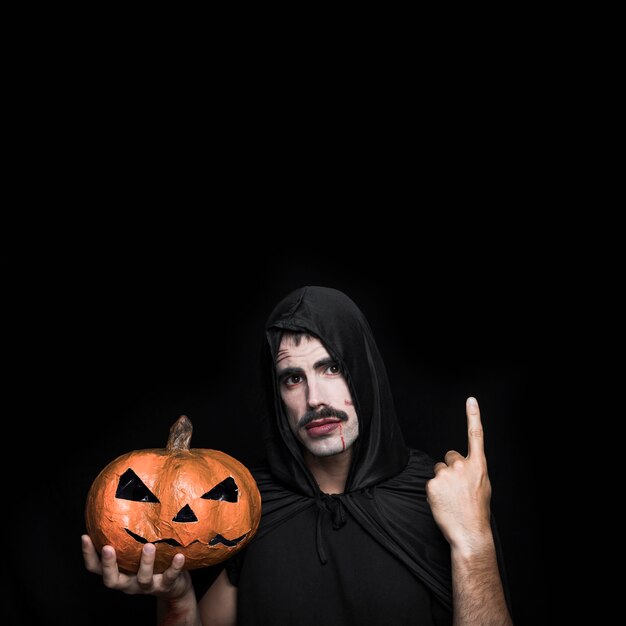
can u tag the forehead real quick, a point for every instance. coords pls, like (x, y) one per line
(291, 355)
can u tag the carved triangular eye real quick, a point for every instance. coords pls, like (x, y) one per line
(131, 487)
(226, 491)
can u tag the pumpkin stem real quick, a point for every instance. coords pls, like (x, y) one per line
(180, 434)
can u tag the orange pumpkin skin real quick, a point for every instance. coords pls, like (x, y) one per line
(199, 502)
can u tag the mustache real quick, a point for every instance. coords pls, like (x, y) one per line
(327, 411)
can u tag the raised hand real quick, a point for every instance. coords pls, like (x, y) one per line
(459, 495)
(173, 583)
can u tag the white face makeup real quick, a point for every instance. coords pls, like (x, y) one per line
(316, 396)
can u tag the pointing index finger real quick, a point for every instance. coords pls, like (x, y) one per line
(475, 435)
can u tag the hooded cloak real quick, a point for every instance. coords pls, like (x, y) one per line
(371, 555)
(384, 498)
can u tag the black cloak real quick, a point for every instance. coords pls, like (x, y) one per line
(385, 491)
(300, 549)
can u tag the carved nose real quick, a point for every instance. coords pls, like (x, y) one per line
(185, 515)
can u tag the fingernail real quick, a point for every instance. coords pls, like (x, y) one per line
(471, 401)
(149, 549)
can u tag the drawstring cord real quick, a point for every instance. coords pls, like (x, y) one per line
(330, 504)
(333, 504)
(318, 538)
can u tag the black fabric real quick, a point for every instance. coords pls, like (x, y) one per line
(360, 583)
(394, 513)
(385, 492)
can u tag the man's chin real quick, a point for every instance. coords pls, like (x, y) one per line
(325, 449)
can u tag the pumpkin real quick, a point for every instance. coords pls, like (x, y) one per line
(202, 503)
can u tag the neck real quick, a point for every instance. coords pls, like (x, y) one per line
(330, 472)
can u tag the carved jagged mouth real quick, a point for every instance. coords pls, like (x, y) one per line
(227, 542)
(172, 542)
(140, 539)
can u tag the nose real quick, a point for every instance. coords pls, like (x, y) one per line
(316, 397)
(185, 515)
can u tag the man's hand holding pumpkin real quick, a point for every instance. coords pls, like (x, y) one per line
(174, 583)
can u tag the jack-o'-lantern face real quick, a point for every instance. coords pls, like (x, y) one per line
(202, 503)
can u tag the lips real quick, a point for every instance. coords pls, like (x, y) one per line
(319, 428)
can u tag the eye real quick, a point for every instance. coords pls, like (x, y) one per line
(294, 379)
(333, 369)
(226, 491)
(131, 487)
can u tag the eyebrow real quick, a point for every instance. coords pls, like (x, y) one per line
(324, 362)
(289, 371)
(298, 371)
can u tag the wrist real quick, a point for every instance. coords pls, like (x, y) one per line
(473, 546)
(181, 609)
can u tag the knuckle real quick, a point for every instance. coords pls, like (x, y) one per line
(144, 583)
(431, 487)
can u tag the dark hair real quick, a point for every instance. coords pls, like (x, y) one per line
(296, 336)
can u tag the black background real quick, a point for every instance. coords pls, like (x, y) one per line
(125, 330)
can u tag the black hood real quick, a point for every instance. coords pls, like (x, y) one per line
(380, 451)
(386, 488)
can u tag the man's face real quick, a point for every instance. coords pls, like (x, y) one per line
(316, 396)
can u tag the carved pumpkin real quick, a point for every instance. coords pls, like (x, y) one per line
(202, 503)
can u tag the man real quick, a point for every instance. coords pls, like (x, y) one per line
(356, 527)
